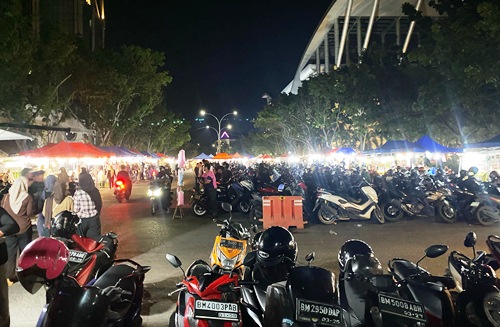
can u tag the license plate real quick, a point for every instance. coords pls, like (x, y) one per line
(322, 314)
(77, 256)
(474, 204)
(216, 310)
(399, 307)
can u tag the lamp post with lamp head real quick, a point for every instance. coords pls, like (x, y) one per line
(220, 129)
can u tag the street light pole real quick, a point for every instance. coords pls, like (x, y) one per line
(219, 122)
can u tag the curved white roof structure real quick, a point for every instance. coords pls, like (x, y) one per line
(355, 22)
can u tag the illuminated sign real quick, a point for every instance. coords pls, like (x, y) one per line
(224, 135)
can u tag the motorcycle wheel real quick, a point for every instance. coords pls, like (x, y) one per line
(483, 216)
(377, 215)
(325, 217)
(391, 212)
(447, 213)
(254, 215)
(244, 206)
(153, 208)
(198, 210)
(491, 306)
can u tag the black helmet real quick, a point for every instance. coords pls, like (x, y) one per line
(462, 173)
(276, 253)
(64, 225)
(494, 176)
(350, 249)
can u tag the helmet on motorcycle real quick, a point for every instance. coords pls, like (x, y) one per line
(350, 249)
(473, 170)
(494, 176)
(64, 225)
(462, 173)
(276, 253)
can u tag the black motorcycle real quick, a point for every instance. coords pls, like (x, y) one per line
(159, 194)
(415, 196)
(112, 298)
(367, 296)
(473, 202)
(478, 298)
(417, 284)
(307, 298)
(200, 202)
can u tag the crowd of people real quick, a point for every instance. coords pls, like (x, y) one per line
(31, 194)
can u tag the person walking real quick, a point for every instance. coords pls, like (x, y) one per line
(63, 176)
(57, 202)
(87, 206)
(49, 184)
(19, 205)
(8, 226)
(210, 186)
(111, 177)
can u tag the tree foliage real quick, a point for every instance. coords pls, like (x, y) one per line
(449, 88)
(118, 93)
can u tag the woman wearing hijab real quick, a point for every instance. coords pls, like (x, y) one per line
(87, 206)
(58, 202)
(49, 184)
(63, 176)
(19, 205)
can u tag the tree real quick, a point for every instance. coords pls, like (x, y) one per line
(119, 89)
(463, 94)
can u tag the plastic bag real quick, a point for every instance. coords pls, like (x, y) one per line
(180, 198)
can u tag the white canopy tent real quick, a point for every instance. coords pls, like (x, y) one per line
(6, 135)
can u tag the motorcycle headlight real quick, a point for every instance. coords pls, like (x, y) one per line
(491, 305)
(150, 193)
(157, 192)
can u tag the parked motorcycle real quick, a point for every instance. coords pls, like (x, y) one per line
(230, 246)
(417, 284)
(473, 203)
(307, 298)
(367, 296)
(332, 207)
(159, 194)
(112, 298)
(200, 202)
(206, 298)
(415, 196)
(478, 299)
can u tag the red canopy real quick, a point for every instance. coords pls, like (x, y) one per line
(70, 150)
(28, 152)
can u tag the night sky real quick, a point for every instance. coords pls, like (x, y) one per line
(223, 55)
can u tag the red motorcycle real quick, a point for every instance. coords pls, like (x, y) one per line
(206, 298)
(86, 257)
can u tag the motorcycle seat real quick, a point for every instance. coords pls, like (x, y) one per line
(87, 244)
(403, 268)
(117, 276)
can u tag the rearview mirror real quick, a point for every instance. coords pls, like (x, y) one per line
(310, 256)
(227, 207)
(470, 240)
(435, 251)
(174, 261)
(250, 259)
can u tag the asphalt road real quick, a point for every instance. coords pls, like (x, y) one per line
(146, 239)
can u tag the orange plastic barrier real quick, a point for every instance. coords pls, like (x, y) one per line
(284, 211)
